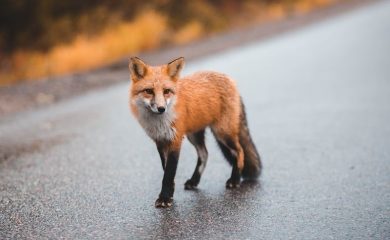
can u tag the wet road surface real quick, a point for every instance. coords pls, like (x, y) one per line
(318, 107)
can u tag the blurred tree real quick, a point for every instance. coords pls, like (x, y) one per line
(48, 37)
(40, 24)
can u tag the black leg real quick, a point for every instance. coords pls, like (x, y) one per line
(229, 150)
(193, 182)
(226, 152)
(162, 151)
(235, 178)
(168, 184)
(197, 139)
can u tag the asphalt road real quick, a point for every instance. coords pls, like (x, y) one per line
(318, 107)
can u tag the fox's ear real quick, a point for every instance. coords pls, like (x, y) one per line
(175, 67)
(137, 68)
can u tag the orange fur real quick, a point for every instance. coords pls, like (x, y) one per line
(204, 99)
(169, 107)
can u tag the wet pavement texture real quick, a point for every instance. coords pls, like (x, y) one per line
(318, 108)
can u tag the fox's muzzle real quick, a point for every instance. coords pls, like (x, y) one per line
(159, 103)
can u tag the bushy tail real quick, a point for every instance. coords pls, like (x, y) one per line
(252, 161)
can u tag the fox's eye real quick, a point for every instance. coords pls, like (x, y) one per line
(167, 91)
(148, 91)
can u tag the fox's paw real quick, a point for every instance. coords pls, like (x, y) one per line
(162, 202)
(190, 185)
(230, 183)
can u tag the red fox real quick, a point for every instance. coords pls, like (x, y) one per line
(169, 107)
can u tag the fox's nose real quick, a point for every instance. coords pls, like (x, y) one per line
(161, 109)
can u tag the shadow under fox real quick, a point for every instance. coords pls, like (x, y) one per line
(170, 107)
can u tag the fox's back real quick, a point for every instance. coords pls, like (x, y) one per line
(205, 98)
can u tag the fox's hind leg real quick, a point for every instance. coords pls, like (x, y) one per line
(234, 154)
(197, 139)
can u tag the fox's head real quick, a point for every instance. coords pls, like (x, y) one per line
(154, 87)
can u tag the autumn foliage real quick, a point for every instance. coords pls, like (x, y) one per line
(47, 38)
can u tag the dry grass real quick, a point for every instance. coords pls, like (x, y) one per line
(149, 30)
(144, 33)
(191, 31)
(306, 6)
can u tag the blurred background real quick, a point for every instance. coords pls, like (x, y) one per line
(44, 38)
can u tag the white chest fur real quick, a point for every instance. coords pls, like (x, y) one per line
(158, 126)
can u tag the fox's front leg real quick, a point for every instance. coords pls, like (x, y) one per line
(162, 148)
(165, 198)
